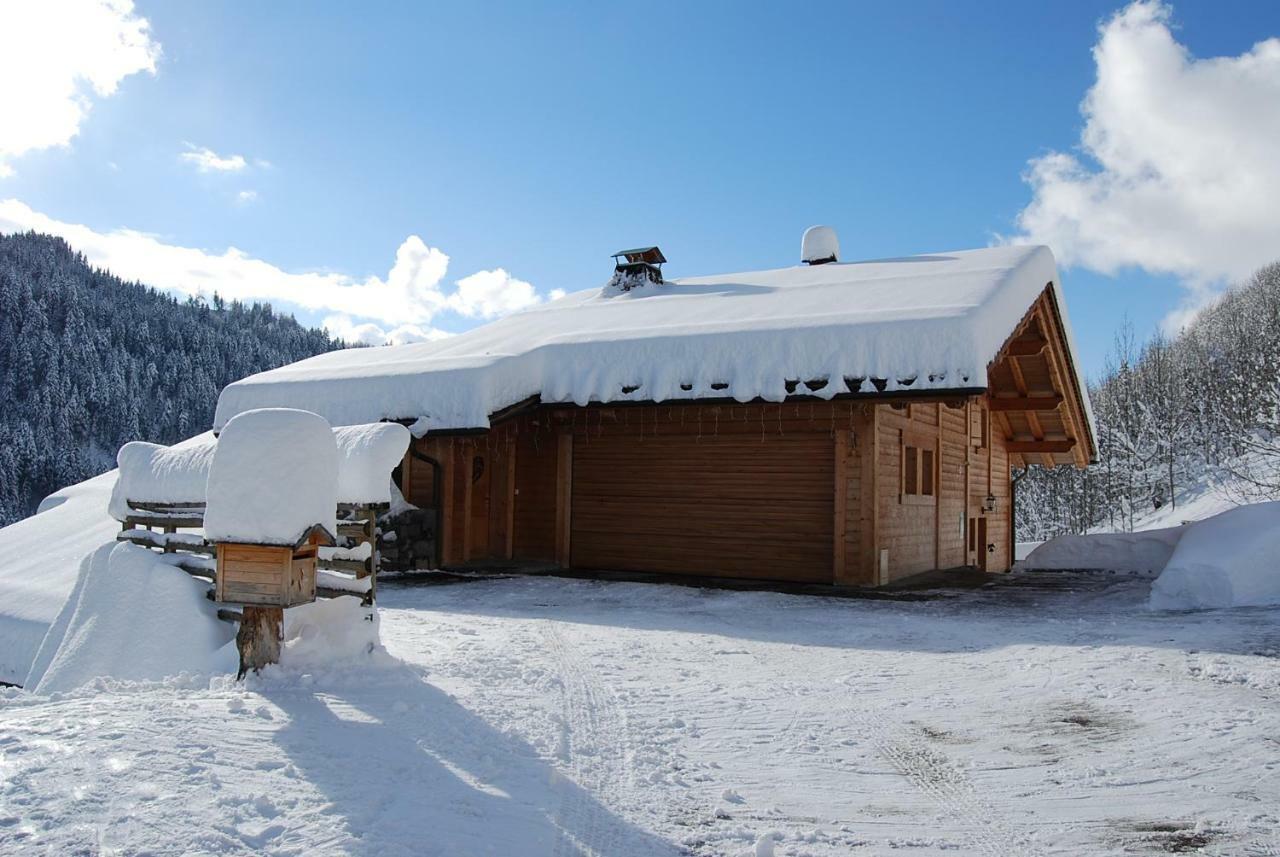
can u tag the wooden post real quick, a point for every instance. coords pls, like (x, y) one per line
(508, 547)
(258, 639)
(371, 536)
(564, 498)
(841, 522)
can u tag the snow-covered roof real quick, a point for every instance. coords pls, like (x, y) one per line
(930, 322)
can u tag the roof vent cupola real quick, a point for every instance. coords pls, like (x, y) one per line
(636, 267)
(819, 246)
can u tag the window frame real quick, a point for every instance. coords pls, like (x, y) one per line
(918, 469)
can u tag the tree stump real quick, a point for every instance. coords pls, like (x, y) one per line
(259, 637)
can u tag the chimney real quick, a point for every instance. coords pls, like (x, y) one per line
(819, 246)
(633, 267)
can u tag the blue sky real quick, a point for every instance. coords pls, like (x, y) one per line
(534, 140)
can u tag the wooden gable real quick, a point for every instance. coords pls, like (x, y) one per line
(1036, 402)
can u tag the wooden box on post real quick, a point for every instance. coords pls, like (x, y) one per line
(269, 575)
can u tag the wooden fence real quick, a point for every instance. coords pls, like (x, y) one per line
(159, 526)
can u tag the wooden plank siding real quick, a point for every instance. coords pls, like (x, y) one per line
(807, 491)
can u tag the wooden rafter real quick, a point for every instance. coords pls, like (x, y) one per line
(1041, 446)
(1026, 403)
(1026, 346)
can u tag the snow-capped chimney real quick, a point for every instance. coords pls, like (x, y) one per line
(819, 246)
(635, 267)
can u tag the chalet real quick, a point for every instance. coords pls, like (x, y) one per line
(850, 423)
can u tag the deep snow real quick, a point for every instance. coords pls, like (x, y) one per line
(920, 322)
(1229, 560)
(1045, 714)
(162, 474)
(39, 563)
(132, 617)
(274, 476)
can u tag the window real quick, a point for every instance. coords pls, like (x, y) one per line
(919, 480)
(979, 426)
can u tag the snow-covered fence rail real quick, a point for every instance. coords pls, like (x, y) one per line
(161, 492)
(346, 570)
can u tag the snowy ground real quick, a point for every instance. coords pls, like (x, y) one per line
(1049, 715)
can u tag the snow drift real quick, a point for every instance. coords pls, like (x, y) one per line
(135, 618)
(366, 456)
(274, 476)
(39, 563)
(1229, 560)
(1142, 553)
(162, 474)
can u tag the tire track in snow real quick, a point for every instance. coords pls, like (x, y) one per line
(595, 745)
(938, 778)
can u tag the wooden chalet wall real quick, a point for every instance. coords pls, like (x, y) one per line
(803, 491)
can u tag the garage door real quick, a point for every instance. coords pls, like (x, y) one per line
(721, 506)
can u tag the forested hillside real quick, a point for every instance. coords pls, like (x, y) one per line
(88, 362)
(1173, 413)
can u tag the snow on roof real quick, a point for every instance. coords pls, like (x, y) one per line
(919, 323)
(274, 476)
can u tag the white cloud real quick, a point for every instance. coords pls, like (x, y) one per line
(245, 197)
(369, 333)
(400, 307)
(489, 294)
(1178, 172)
(56, 54)
(206, 160)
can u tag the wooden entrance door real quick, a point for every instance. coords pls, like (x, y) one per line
(982, 543)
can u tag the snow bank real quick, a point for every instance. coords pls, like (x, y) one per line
(274, 476)
(923, 322)
(1145, 552)
(366, 456)
(162, 474)
(1229, 560)
(39, 563)
(330, 634)
(134, 618)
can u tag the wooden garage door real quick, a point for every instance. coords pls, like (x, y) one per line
(721, 506)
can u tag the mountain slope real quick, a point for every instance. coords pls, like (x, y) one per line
(89, 362)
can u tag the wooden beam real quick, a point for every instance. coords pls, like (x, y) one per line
(841, 488)
(564, 498)
(1026, 403)
(508, 548)
(1026, 347)
(1049, 446)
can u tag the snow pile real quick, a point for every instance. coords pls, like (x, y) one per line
(134, 618)
(366, 456)
(331, 634)
(1229, 560)
(162, 474)
(1143, 553)
(923, 322)
(39, 562)
(274, 476)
